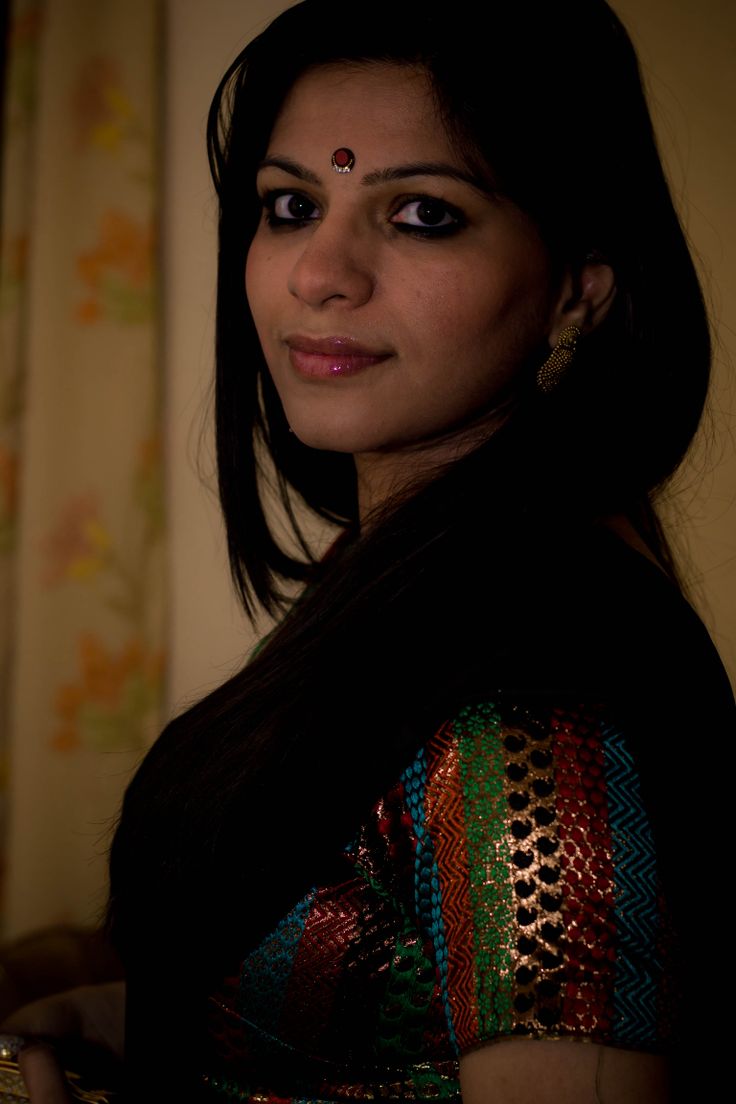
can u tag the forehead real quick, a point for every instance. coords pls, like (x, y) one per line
(384, 113)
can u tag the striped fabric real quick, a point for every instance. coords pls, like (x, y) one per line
(507, 885)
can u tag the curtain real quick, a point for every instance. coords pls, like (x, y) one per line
(82, 612)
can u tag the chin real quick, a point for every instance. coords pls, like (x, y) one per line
(336, 437)
(329, 441)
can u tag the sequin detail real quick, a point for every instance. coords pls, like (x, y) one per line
(506, 885)
(265, 974)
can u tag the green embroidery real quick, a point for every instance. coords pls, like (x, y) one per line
(482, 773)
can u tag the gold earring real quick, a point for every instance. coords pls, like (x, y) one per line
(551, 372)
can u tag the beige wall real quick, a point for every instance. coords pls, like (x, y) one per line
(209, 633)
(687, 47)
(688, 54)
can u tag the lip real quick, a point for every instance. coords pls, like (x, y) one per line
(327, 357)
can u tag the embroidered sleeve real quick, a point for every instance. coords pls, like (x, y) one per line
(536, 879)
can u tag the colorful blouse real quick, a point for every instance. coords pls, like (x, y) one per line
(505, 886)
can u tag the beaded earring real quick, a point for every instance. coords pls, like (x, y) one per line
(552, 371)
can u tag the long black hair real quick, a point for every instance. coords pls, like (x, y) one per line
(243, 799)
(549, 99)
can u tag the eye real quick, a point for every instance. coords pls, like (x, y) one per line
(289, 208)
(427, 216)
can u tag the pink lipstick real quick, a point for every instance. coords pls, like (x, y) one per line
(327, 357)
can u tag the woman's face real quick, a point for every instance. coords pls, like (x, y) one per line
(395, 302)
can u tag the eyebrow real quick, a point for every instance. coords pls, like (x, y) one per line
(425, 168)
(291, 167)
(384, 176)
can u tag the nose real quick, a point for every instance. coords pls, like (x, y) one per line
(334, 267)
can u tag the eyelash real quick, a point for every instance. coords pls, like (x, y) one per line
(269, 201)
(277, 222)
(429, 231)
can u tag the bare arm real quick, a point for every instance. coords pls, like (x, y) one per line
(524, 1071)
(91, 1014)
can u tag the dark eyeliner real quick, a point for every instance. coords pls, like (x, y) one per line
(268, 202)
(428, 232)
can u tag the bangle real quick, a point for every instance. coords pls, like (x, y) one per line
(12, 1085)
(11, 1046)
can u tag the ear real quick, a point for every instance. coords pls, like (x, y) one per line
(585, 298)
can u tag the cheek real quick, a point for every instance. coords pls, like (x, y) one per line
(253, 278)
(261, 280)
(511, 306)
(479, 332)
(440, 306)
(460, 311)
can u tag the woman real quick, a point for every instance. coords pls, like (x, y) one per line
(440, 807)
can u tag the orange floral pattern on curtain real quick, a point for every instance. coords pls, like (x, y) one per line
(81, 486)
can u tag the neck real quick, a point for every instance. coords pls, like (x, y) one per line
(384, 477)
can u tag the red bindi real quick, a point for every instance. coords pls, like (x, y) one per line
(343, 160)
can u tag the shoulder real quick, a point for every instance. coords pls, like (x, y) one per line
(583, 614)
(587, 717)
